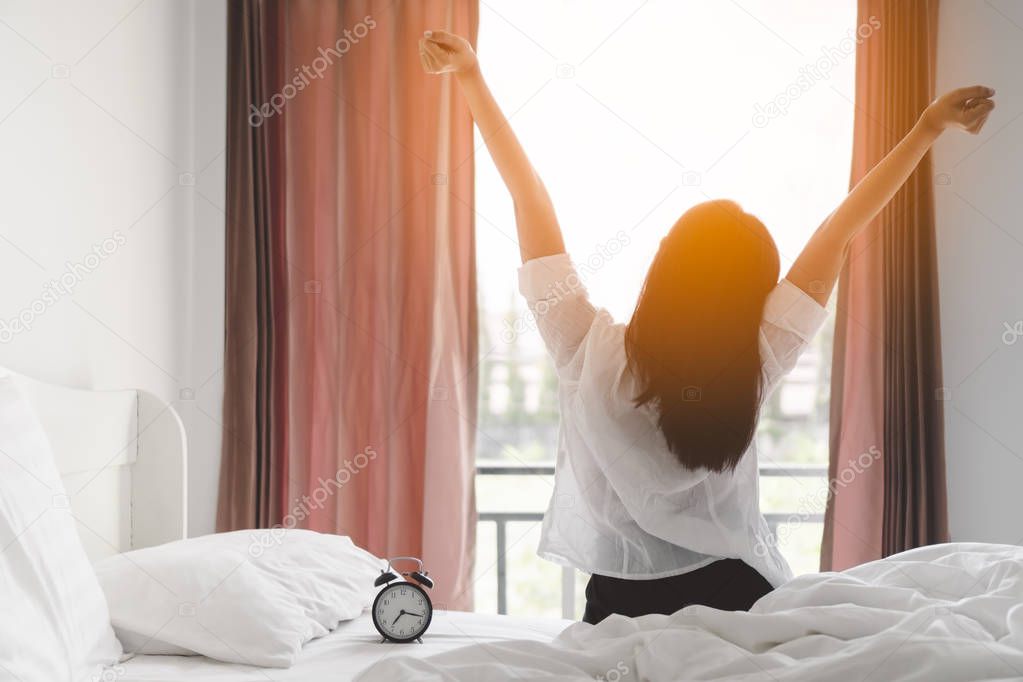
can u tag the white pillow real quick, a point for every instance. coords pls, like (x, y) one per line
(54, 623)
(251, 596)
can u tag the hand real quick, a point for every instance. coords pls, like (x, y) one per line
(443, 52)
(966, 108)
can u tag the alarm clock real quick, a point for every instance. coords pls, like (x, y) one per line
(402, 611)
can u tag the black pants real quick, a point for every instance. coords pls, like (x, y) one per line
(728, 584)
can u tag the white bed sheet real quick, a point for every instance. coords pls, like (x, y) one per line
(342, 654)
(945, 613)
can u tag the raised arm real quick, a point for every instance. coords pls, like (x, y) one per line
(539, 232)
(818, 266)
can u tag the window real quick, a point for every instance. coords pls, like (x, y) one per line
(632, 112)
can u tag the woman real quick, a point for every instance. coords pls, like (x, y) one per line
(656, 491)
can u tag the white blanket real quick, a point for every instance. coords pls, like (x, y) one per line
(945, 612)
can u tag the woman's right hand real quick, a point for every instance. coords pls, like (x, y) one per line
(443, 52)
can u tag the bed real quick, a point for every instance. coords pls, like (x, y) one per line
(946, 612)
(122, 456)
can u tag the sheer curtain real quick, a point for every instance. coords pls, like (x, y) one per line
(887, 468)
(350, 391)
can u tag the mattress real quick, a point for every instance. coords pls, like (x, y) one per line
(352, 647)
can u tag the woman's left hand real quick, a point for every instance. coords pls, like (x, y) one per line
(966, 108)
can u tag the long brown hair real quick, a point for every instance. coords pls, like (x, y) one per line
(693, 341)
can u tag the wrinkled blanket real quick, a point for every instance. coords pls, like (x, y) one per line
(944, 612)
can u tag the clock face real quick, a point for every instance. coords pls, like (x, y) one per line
(402, 612)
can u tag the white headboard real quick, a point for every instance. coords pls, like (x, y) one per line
(122, 456)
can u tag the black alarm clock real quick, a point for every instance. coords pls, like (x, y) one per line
(402, 611)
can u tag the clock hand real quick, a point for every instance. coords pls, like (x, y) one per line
(417, 615)
(402, 613)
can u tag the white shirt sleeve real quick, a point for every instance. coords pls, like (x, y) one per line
(790, 321)
(560, 307)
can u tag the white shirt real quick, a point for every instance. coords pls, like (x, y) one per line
(623, 505)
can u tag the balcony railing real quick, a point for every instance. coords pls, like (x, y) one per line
(501, 519)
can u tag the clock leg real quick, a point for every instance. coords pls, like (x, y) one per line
(419, 639)
(383, 640)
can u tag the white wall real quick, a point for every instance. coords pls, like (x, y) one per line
(107, 106)
(980, 244)
(108, 111)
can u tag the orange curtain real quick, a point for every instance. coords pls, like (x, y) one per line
(350, 390)
(887, 468)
